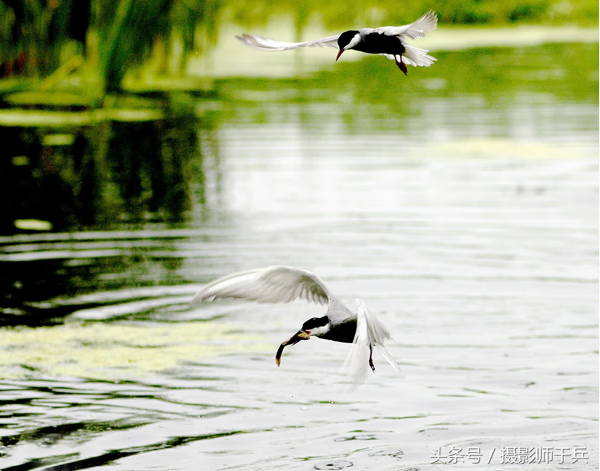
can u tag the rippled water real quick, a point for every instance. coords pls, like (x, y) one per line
(461, 205)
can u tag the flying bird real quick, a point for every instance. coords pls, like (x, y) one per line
(280, 284)
(390, 41)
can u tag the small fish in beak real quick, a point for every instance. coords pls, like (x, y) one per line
(300, 335)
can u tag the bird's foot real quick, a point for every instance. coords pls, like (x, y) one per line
(371, 364)
(402, 66)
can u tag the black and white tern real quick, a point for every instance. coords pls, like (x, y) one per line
(280, 284)
(390, 41)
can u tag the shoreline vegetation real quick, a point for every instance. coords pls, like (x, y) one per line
(99, 100)
(93, 45)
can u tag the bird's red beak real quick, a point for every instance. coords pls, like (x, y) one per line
(339, 54)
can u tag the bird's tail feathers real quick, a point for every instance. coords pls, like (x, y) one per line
(377, 333)
(417, 57)
(388, 356)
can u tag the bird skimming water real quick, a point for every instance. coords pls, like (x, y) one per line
(390, 41)
(279, 284)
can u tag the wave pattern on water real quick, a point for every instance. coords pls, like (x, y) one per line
(465, 216)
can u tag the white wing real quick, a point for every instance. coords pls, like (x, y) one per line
(416, 30)
(275, 284)
(369, 331)
(266, 44)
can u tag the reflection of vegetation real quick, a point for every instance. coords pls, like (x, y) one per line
(500, 78)
(80, 176)
(113, 165)
(493, 83)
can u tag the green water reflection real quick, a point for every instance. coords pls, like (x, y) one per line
(168, 174)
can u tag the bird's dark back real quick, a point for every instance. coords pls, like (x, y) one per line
(343, 332)
(376, 43)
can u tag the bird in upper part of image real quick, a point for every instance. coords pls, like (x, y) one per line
(390, 41)
(280, 284)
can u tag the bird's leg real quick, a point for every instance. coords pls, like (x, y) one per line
(371, 364)
(401, 65)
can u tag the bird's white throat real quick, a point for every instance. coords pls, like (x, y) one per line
(354, 41)
(320, 331)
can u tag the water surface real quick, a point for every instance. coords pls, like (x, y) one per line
(460, 204)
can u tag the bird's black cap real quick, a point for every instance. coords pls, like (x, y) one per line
(345, 38)
(315, 322)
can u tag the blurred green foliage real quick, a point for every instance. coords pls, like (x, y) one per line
(334, 15)
(38, 37)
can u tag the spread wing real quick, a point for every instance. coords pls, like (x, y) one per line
(266, 44)
(416, 30)
(277, 284)
(369, 331)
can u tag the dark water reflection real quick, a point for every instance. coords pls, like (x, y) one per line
(103, 175)
(460, 203)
